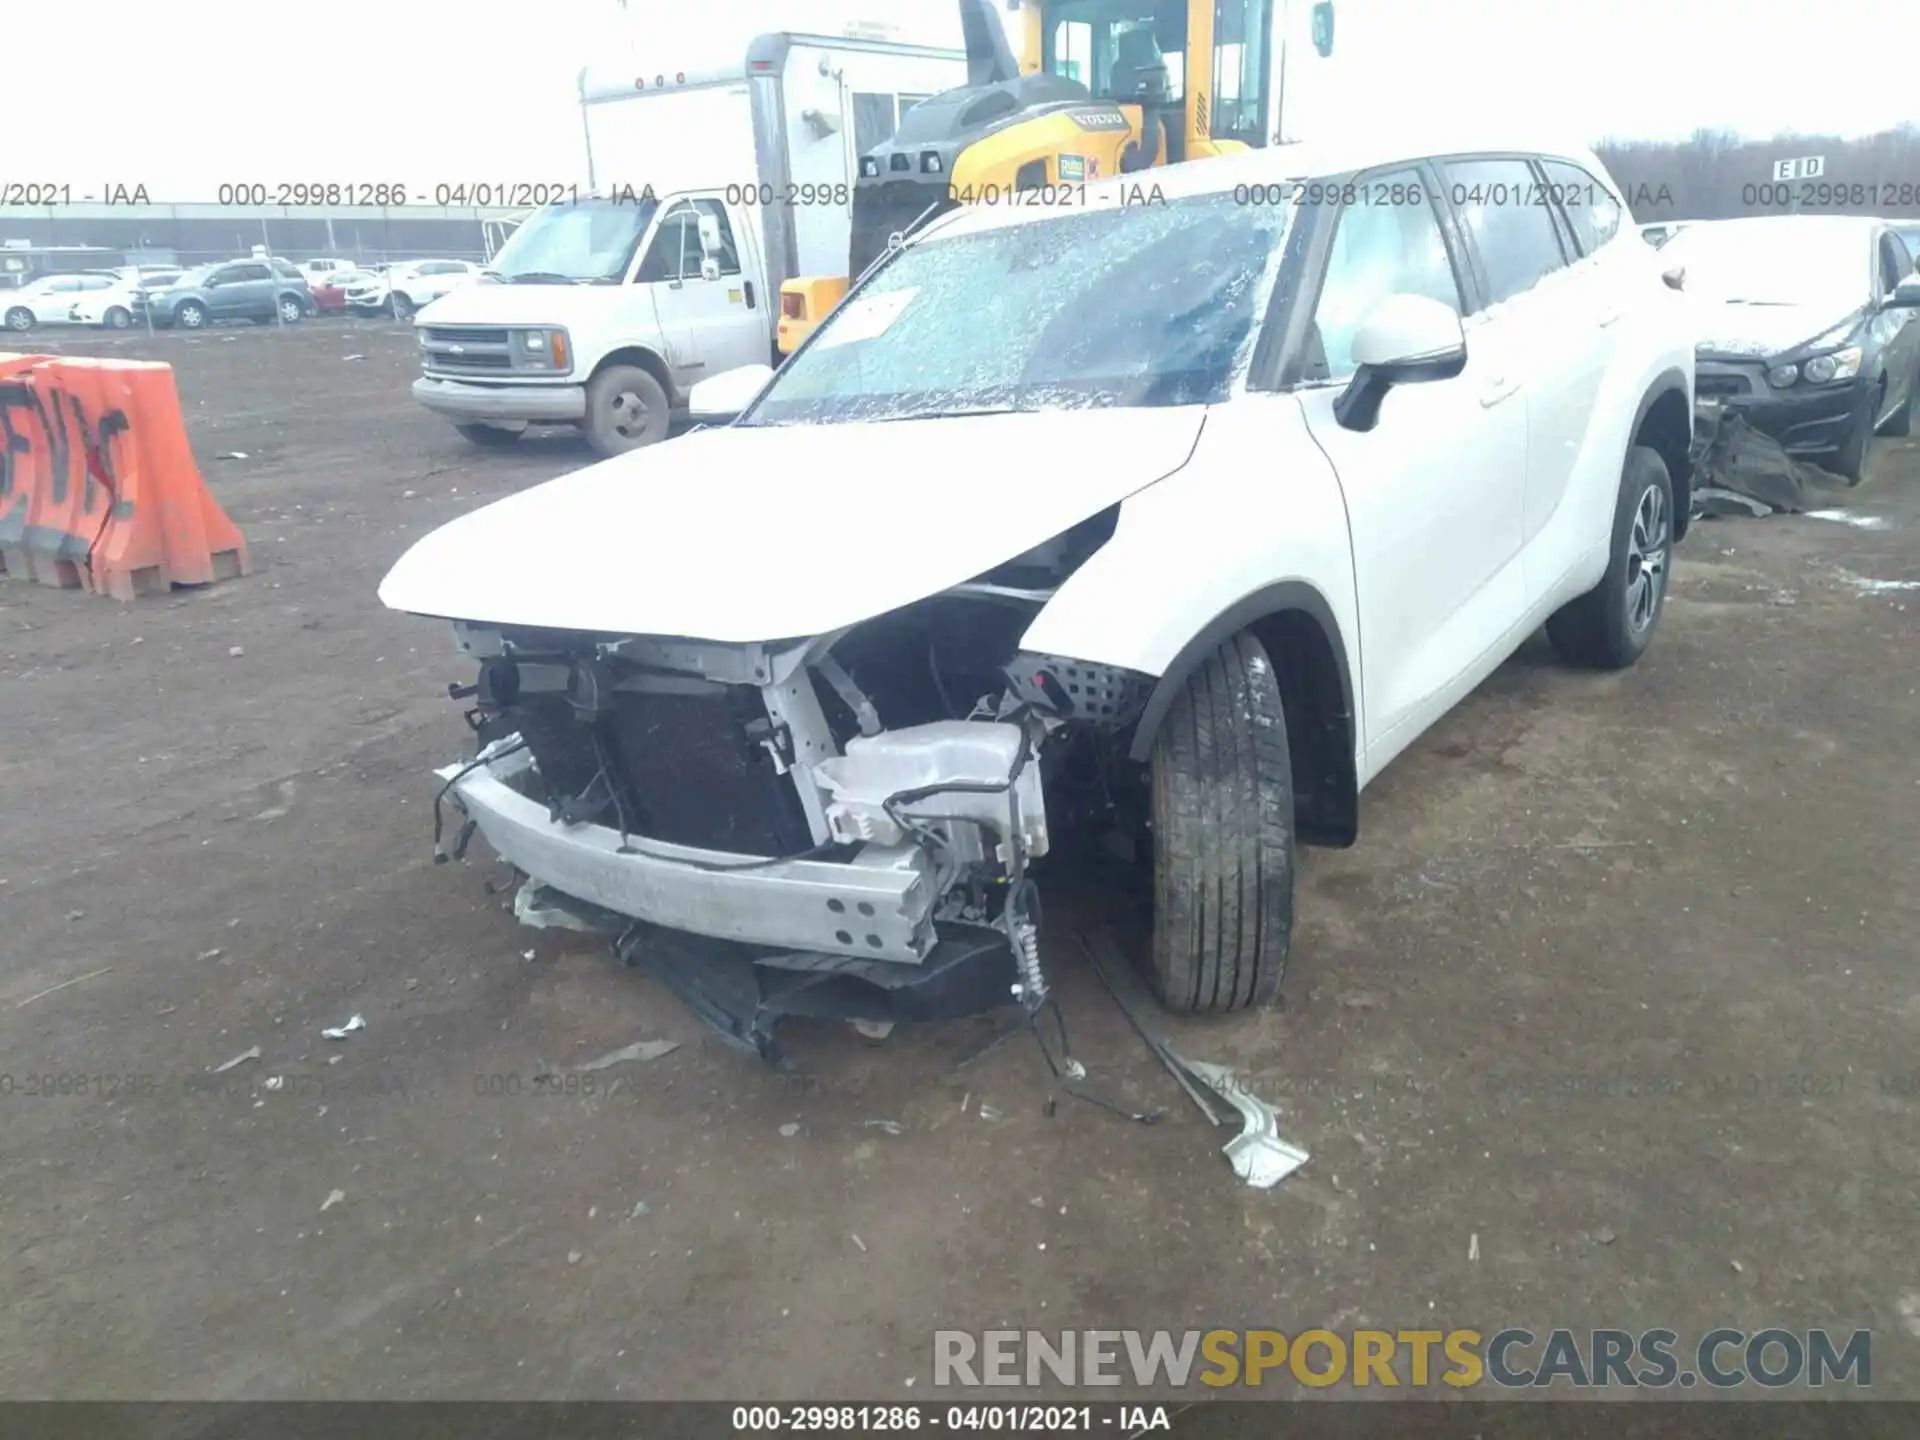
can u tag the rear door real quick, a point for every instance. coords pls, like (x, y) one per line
(711, 325)
(1434, 490)
(248, 291)
(1555, 326)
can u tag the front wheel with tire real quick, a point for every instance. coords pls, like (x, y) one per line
(191, 316)
(626, 408)
(292, 312)
(1223, 837)
(401, 306)
(491, 436)
(19, 318)
(1611, 625)
(117, 318)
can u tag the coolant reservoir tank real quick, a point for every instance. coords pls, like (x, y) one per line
(972, 752)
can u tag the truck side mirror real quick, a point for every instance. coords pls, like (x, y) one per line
(710, 245)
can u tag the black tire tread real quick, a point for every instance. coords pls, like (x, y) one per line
(1222, 795)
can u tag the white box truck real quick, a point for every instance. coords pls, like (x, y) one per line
(712, 179)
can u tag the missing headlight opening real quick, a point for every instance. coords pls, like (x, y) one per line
(842, 825)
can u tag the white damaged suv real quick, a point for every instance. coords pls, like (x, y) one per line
(1177, 510)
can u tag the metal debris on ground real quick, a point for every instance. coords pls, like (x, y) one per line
(892, 1127)
(859, 1242)
(789, 1130)
(240, 1059)
(56, 989)
(639, 1050)
(990, 1112)
(340, 1032)
(539, 907)
(273, 1082)
(334, 1197)
(1259, 1155)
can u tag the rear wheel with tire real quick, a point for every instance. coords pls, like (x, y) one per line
(19, 318)
(1222, 810)
(117, 318)
(491, 436)
(1611, 625)
(401, 306)
(626, 409)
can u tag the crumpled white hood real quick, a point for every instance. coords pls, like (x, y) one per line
(744, 534)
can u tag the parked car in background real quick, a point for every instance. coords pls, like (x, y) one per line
(317, 270)
(50, 299)
(1806, 329)
(231, 290)
(120, 304)
(330, 290)
(404, 287)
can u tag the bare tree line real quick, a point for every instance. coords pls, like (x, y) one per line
(1716, 175)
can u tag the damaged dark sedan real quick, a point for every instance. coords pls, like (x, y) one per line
(1806, 329)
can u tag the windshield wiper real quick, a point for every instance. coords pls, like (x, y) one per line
(946, 414)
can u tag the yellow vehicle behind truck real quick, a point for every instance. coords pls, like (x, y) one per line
(1101, 88)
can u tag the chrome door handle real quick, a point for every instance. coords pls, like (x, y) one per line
(1498, 389)
(1608, 317)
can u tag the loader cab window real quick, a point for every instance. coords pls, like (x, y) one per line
(1115, 47)
(1242, 61)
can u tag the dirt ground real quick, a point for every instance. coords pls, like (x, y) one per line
(1609, 1019)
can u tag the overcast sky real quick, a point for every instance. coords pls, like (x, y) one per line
(189, 94)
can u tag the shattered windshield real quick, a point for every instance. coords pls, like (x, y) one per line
(576, 242)
(1141, 305)
(1773, 263)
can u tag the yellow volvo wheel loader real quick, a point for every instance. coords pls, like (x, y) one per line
(1101, 88)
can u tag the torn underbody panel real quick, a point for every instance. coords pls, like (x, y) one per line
(836, 826)
(1739, 470)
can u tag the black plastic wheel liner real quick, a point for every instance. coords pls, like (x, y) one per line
(742, 993)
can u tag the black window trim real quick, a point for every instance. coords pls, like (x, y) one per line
(1280, 353)
(1594, 180)
(1440, 162)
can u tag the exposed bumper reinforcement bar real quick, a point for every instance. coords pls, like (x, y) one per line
(877, 906)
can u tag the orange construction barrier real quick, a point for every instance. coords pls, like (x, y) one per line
(101, 491)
